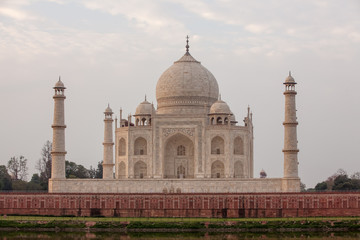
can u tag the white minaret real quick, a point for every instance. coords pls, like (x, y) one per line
(290, 124)
(58, 146)
(108, 145)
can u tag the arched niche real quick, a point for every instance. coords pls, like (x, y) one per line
(122, 147)
(238, 170)
(178, 157)
(140, 169)
(217, 145)
(217, 169)
(140, 146)
(122, 170)
(238, 146)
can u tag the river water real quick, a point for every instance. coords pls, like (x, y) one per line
(183, 236)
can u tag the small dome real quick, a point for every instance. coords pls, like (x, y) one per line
(290, 79)
(144, 108)
(220, 107)
(108, 110)
(59, 84)
(263, 174)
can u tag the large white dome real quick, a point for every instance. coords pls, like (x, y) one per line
(186, 87)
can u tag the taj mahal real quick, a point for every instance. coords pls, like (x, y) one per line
(190, 143)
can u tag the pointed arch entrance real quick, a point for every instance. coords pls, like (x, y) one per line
(179, 157)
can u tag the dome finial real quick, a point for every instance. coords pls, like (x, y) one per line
(187, 44)
(219, 97)
(290, 73)
(145, 97)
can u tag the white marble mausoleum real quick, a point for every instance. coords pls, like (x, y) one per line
(191, 142)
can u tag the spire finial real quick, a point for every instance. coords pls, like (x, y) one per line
(187, 44)
(59, 78)
(145, 97)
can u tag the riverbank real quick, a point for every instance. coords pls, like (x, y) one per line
(192, 225)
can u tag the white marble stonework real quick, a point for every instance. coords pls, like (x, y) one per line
(190, 143)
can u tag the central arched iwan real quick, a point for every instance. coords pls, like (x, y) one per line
(179, 157)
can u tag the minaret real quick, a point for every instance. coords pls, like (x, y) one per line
(108, 145)
(290, 138)
(58, 146)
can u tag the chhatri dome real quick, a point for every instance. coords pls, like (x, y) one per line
(220, 107)
(144, 108)
(186, 87)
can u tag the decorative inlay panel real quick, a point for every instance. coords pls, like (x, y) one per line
(187, 131)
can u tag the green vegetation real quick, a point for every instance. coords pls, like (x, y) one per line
(174, 225)
(339, 181)
(13, 176)
(180, 224)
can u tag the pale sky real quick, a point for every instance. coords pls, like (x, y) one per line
(114, 51)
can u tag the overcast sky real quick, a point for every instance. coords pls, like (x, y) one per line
(114, 51)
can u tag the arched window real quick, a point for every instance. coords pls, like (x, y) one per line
(219, 120)
(181, 150)
(122, 147)
(140, 169)
(226, 120)
(212, 121)
(217, 145)
(122, 170)
(238, 170)
(217, 169)
(137, 122)
(180, 172)
(238, 146)
(140, 146)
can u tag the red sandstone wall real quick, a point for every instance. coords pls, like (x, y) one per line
(183, 205)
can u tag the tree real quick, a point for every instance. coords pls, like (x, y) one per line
(321, 186)
(19, 185)
(44, 164)
(302, 187)
(340, 181)
(96, 173)
(5, 179)
(92, 172)
(72, 170)
(35, 178)
(82, 172)
(35, 183)
(99, 170)
(355, 175)
(343, 182)
(17, 167)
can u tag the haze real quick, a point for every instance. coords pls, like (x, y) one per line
(114, 51)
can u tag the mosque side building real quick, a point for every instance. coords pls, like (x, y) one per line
(191, 143)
